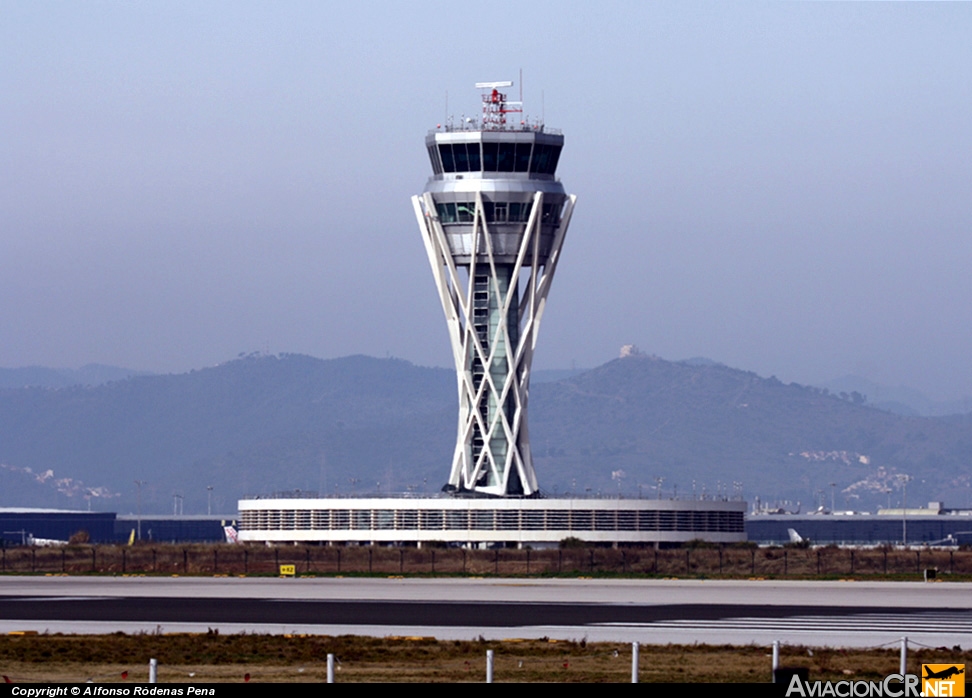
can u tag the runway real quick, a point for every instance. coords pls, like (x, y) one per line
(650, 611)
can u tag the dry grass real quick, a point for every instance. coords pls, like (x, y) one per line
(200, 658)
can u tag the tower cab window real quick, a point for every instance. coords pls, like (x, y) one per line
(495, 157)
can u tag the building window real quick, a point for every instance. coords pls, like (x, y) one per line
(407, 520)
(384, 518)
(522, 156)
(482, 519)
(506, 157)
(436, 167)
(466, 211)
(490, 156)
(431, 520)
(582, 520)
(457, 520)
(340, 519)
(361, 519)
(604, 521)
(445, 152)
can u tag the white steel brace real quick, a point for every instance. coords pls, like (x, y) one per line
(503, 458)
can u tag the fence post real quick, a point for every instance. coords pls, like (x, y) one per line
(903, 663)
(330, 668)
(489, 666)
(153, 670)
(776, 658)
(634, 662)
(370, 550)
(307, 557)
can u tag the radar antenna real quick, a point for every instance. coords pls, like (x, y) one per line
(496, 106)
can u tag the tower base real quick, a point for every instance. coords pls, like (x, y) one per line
(478, 522)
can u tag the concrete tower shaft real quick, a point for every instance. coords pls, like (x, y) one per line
(493, 218)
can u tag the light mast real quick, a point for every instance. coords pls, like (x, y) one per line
(493, 218)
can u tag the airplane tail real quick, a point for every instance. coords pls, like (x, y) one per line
(231, 534)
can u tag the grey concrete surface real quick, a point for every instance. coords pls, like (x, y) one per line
(734, 612)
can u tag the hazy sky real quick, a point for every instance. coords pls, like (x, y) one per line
(783, 187)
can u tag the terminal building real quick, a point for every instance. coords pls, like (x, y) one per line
(931, 525)
(26, 526)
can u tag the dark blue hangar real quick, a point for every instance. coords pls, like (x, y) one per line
(26, 526)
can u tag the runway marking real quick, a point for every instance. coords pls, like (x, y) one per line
(44, 599)
(863, 623)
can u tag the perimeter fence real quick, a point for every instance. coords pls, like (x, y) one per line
(727, 561)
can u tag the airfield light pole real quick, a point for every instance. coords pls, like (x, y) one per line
(209, 500)
(904, 508)
(138, 510)
(493, 219)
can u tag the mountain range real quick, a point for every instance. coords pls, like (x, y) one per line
(639, 425)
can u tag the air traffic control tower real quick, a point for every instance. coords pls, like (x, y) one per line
(493, 218)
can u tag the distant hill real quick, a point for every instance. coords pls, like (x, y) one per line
(252, 425)
(41, 377)
(551, 375)
(705, 422)
(900, 399)
(261, 424)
